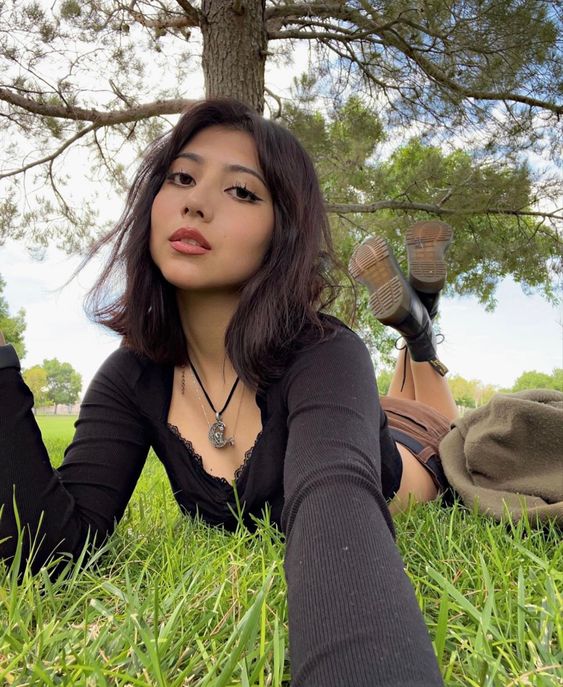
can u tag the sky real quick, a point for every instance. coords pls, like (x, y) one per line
(523, 333)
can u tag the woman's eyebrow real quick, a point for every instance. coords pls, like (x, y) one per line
(231, 168)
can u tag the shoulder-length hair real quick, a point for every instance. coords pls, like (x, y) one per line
(279, 306)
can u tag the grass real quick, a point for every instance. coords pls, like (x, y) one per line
(170, 601)
(57, 432)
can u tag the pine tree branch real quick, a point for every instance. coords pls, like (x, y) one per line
(191, 12)
(287, 12)
(438, 76)
(161, 24)
(309, 35)
(346, 208)
(54, 154)
(190, 18)
(158, 107)
(274, 96)
(388, 34)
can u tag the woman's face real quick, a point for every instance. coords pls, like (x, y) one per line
(212, 220)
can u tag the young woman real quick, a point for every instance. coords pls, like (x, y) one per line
(230, 371)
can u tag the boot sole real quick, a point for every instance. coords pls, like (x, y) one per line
(373, 265)
(427, 243)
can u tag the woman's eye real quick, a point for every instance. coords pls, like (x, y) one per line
(242, 193)
(180, 178)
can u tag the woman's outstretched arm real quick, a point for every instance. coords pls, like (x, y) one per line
(60, 509)
(353, 615)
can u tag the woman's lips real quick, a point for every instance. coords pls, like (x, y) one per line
(189, 242)
(188, 248)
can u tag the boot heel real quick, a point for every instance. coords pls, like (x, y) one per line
(393, 300)
(426, 244)
(374, 265)
(367, 255)
(386, 302)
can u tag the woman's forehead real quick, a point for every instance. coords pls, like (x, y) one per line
(232, 149)
(222, 143)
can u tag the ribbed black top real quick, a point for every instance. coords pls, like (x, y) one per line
(318, 461)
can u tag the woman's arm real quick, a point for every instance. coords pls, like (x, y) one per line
(353, 615)
(88, 494)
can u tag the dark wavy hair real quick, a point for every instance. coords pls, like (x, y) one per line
(279, 309)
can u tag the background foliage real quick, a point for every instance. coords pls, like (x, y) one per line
(12, 326)
(411, 110)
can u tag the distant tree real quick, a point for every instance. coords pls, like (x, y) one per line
(384, 381)
(13, 326)
(63, 382)
(463, 390)
(484, 393)
(531, 379)
(36, 379)
(557, 377)
(472, 393)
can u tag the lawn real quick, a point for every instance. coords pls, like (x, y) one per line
(170, 601)
(57, 431)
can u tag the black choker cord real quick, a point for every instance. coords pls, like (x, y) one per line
(217, 414)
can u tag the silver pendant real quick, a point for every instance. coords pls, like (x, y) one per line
(217, 434)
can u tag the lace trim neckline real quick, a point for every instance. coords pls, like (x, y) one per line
(199, 460)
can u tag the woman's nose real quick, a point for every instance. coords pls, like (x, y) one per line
(191, 209)
(197, 203)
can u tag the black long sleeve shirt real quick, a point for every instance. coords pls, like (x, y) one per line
(319, 461)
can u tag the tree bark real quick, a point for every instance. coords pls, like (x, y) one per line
(234, 50)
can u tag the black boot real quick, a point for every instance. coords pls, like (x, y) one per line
(426, 244)
(393, 301)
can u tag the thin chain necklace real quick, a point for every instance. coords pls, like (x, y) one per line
(216, 434)
(224, 442)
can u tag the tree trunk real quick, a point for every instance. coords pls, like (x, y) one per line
(234, 50)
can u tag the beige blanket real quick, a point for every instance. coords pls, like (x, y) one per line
(507, 456)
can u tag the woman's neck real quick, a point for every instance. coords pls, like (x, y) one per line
(205, 317)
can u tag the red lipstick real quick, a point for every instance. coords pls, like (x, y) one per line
(189, 242)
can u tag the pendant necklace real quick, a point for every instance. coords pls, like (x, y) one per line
(216, 434)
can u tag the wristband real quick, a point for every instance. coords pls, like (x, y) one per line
(9, 357)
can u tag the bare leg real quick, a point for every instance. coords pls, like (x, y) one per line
(416, 483)
(433, 389)
(402, 373)
(422, 383)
